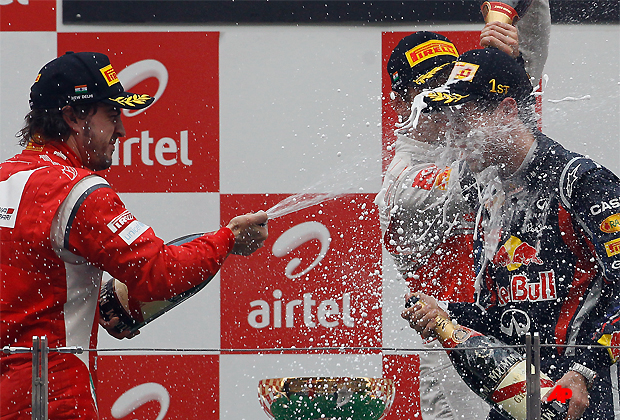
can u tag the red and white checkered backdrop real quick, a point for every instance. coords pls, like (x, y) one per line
(245, 116)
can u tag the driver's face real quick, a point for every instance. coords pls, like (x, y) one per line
(475, 133)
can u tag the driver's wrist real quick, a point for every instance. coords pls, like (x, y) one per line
(586, 373)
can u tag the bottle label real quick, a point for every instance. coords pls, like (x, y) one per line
(452, 335)
(510, 395)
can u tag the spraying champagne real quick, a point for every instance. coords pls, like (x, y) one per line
(495, 373)
(507, 11)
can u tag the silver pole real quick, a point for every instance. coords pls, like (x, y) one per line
(36, 389)
(529, 412)
(532, 376)
(536, 385)
(44, 379)
(39, 378)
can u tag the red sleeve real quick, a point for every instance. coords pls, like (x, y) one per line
(105, 233)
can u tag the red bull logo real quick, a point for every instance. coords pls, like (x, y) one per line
(520, 289)
(515, 253)
(612, 341)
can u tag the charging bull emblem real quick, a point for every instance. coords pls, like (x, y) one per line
(515, 253)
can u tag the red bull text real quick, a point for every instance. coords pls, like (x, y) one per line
(520, 289)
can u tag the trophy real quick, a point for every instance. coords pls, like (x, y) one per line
(335, 398)
(507, 11)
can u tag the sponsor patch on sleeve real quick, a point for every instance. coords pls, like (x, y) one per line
(127, 227)
(133, 231)
(121, 220)
(611, 341)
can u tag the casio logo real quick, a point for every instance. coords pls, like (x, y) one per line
(614, 203)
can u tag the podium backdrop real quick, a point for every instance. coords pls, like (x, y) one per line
(246, 116)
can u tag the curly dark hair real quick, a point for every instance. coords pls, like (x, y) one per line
(43, 125)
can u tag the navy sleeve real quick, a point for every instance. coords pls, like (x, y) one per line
(472, 316)
(592, 195)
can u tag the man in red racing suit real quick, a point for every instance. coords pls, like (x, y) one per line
(61, 226)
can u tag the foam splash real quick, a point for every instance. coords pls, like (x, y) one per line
(299, 202)
(570, 99)
(411, 123)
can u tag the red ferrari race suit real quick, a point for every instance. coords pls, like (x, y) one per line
(61, 226)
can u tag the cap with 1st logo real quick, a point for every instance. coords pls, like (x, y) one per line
(489, 75)
(82, 78)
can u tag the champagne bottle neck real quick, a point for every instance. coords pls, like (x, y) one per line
(450, 334)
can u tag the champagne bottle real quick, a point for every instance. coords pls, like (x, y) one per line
(507, 11)
(115, 301)
(495, 374)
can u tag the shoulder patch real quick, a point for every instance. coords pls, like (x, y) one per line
(11, 191)
(572, 172)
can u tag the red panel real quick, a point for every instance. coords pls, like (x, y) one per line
(405, 371)
(336, 303)
(173, 146)
(464, 41)
(35, 15)
(190, 382)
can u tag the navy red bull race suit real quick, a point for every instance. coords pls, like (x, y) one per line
(556, 269)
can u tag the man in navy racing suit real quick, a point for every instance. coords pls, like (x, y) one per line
(547, 244)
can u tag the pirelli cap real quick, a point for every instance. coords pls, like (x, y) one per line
(82, 78)
(418, 58)
(487, 74)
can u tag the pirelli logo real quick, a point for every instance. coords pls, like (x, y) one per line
(430, 49)
(613, 247)
(109, 75)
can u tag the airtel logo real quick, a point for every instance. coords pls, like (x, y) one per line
(139, 72)
(295, 237)
(140, 395)
(329, 313)
(167, 151)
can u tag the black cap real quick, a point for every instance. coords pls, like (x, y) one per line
(418, 58)
(487, 74)
(82, 78)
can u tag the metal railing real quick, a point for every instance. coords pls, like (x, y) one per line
(40, 352)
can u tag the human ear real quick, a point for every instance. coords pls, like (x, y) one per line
(69, 115)
(507, 109)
